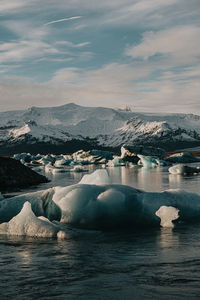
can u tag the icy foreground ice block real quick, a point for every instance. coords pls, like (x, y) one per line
(27, 224)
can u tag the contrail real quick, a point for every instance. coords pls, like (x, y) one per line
(63, 20)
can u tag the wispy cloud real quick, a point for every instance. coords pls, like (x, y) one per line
(63, 20)
(72, 45)
(180, 44)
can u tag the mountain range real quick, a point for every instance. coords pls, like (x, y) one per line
(71, 127)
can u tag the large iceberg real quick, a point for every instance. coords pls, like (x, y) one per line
(94, 203)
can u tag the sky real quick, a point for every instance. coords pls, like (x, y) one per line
(112, 53)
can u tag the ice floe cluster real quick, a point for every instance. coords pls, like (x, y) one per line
(146, 156)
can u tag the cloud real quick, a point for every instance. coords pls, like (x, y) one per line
(110, 85)
(22, 50)
(72, 45)
(34, 42)
(11, 5)
(160, 71)
(63, 20)
(180, 44)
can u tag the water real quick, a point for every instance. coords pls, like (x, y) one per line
(150, 264)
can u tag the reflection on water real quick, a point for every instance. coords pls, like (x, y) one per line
(150, 180)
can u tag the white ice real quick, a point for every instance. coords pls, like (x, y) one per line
(27, 224)
(116, 162)
(98, 177)
(78, 169)
(167, 214)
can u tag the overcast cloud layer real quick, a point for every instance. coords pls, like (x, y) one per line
(142, 53)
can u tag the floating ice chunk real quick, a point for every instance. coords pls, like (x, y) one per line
(183, 170)
(163, 163)
(48, 167)
(1, 196)
(116, 162)
(128, 151)
(148, 161)
(151, 162)
(167, 214)
(57, 170)
(47, 159)
(183, 157)
(54, 170)
(79, 169)
(62, 235)
(62, 162)
(27, 224)
(26, 157)
(98, 177)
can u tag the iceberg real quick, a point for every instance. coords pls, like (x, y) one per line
(98, 177)
(151, 162)
(62, 162)
(130, 152)
(116, 162)
(94, 203)
(147, 161)
(183, 170)
(27, 224)
(182, 157)
(78, 169)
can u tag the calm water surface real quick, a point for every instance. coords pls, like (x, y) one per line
(151, 264)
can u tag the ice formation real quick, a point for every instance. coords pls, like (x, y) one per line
(147, 161)
(62, 162)
(98, 177)
(41, 203)
(183, 170)
(134, 150)
(183, 157)
(78, 169)
(151, 162)
(27, 224)
(116, 162)
(167, 214)
(94, 203)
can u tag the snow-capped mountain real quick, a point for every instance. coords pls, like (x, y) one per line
(75, 126)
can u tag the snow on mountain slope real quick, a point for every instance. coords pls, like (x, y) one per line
(153, 128)
(110, 127)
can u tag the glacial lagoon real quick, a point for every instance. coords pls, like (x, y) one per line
(157, 263)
